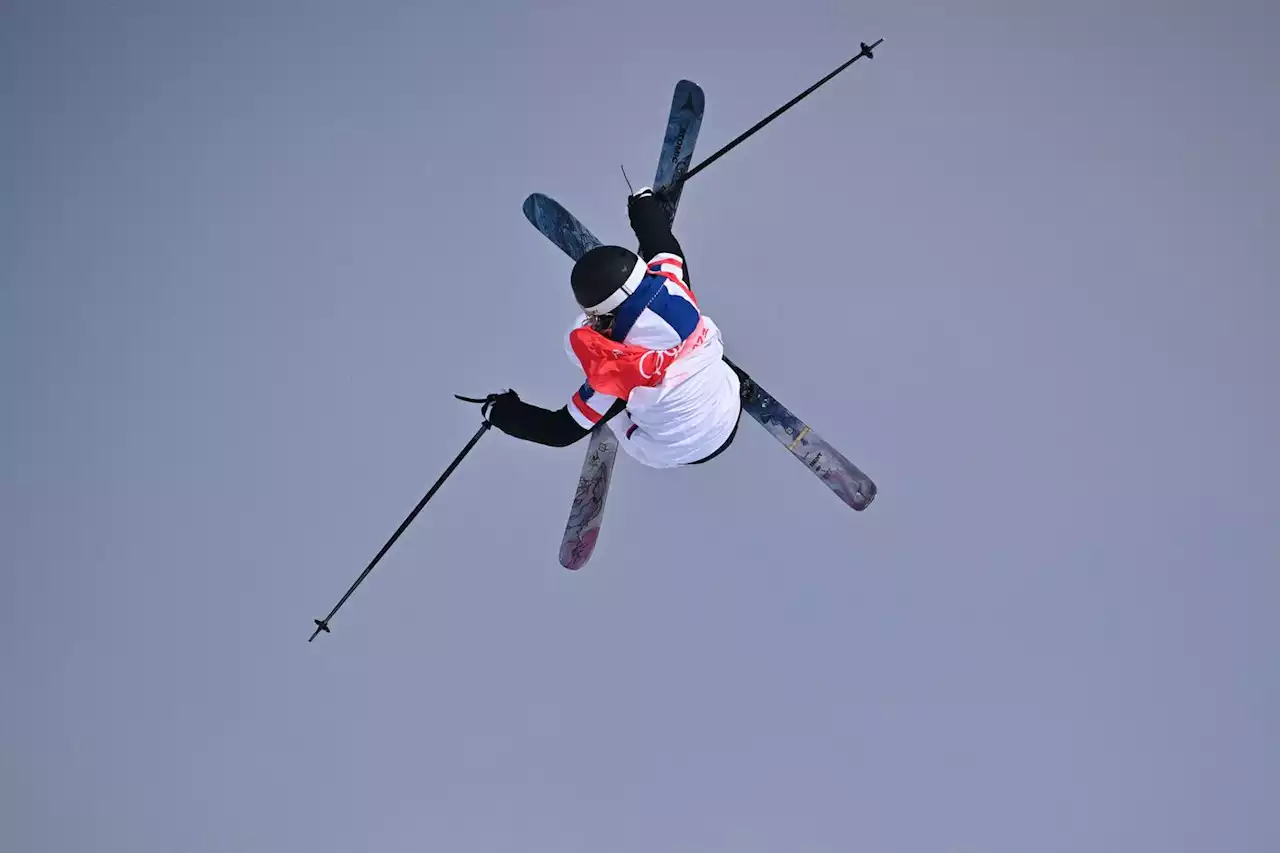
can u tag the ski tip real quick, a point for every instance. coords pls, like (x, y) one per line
(692, 91)
(864, 494)
(536, 206)
(576, 551)
(574, 560)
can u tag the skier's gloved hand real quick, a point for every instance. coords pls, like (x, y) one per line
(650, 219)
(643, 192)
(499, 408)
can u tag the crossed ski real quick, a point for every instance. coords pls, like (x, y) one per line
(563, 229)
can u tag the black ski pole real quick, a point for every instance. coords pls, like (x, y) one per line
(323, 624)
(866, 51)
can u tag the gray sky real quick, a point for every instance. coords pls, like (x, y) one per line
(1021, 268)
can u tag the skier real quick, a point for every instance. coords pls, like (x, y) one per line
(654, 363)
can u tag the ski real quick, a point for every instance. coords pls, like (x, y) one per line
(683, 123)
(684, 120)
(558, 225)
(830, 466)
(841, 476)
(586, 513)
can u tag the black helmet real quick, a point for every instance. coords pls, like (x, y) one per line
(604, 277)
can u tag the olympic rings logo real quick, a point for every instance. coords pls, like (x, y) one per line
(654, 362)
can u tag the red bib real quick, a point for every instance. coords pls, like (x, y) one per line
(616, 368)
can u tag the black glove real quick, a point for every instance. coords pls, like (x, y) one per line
(503, 402)
(521, 420)
(642, 193)
(498, 408)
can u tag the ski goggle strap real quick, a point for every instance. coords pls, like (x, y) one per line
(620, 295)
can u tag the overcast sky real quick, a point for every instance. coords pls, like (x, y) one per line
(1022, 268)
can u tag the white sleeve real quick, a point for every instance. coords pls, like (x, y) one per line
(587, 406)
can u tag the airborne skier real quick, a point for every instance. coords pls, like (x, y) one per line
(653, 362)
(655, 366)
